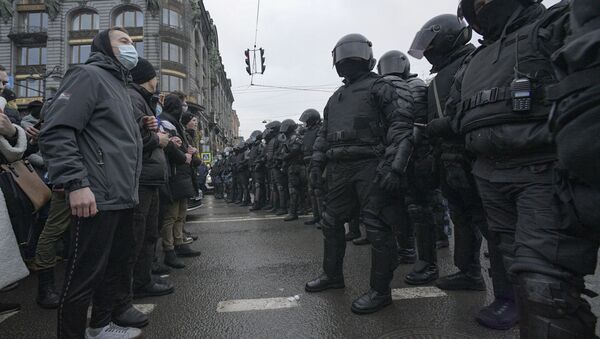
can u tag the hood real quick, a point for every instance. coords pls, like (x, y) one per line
(173, 106)
(111, 65)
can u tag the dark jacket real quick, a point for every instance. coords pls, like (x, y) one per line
(180, 173)
(90, 136)
(154, 163)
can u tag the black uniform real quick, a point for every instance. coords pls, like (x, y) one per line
(293, 159)
(270, 150)
(258, 174)
(514, 165)
(365, 123)
(314, 189)
(243, 175)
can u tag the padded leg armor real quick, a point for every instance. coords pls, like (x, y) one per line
(551, 308)
(384, 258)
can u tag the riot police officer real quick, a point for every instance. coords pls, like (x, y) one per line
(228, 175)
(576, 129)
(311, 118)
(420, 193)
(216, 174)
(293, 159)
(257, 170)
(243, 174)
(366, 134)
(498, 103)
(271, 148)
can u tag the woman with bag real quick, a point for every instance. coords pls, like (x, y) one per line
(13, 143)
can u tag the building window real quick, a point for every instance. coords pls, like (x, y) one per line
(172, 52)
(172, 18)
(85, 22)
(130, 18)
(171, 83)
(29, 88)
(34, 22)
(139, 46)
(29, 56)
(80, 53)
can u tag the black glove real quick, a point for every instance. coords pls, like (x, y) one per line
(439, 127)
(388, 180)
(315, 176)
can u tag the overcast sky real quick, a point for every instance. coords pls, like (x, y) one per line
(298, 36)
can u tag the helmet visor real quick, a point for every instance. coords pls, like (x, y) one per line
(423, 40)
(391, 66)
(348, 50)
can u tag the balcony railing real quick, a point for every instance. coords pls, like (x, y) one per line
(29, 35)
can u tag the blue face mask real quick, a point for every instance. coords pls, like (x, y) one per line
(158, 110)
(128, 56)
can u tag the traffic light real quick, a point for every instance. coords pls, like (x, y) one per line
(262, 61)
(248, 68)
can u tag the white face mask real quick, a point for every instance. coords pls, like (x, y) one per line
(128, 56)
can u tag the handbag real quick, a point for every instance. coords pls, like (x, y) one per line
(29, 181)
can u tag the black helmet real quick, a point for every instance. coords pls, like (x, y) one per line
(468, 10)
(353, 46)
(440, 35)
(241, 145)
(310, 116)
(273, 125)
(288, 126)
(256, 135)
(394, 62)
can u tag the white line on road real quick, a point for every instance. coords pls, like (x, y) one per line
(3, 317)
(417, 292)
(244, 305)
(242, 219)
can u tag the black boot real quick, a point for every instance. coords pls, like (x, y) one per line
(502, 314)
(154, 289)
(461, 281)
(159, 268)
(293, 208)
(131, 317)
(361, 242)
(171, 260)
(423, 273)
(186, 251)
(351, 236)
(47, 296)
(371, 302)
(333, 260)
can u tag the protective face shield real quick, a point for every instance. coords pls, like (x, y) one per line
(352, 68)
(439, 37)
(354, 46)
(394, 62)
(288, 126)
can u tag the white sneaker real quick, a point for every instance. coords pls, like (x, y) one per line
(113, 331)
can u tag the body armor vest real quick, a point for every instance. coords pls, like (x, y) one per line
(486, 95)
(352, 117)
(310, 136)
(270, 150)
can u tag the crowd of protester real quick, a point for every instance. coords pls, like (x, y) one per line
(106, 212)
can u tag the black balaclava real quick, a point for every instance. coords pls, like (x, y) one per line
(494, 16)
(173, 106)
(101, 44)
(352, 69)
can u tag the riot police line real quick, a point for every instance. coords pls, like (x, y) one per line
(509, 131)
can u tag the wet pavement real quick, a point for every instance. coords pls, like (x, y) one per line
(249, 283)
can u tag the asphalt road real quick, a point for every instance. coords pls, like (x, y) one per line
(249, 283)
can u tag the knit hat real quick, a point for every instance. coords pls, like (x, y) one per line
(143, 71)
(186, 117)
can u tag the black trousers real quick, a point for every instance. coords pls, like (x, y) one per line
(100, 249)
(145, 236)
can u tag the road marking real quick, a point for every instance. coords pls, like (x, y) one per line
(3, 317)
(144, 308)
(417, 292)
(242, 219)
(244, 305)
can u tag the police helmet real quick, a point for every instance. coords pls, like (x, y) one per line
(394, 62)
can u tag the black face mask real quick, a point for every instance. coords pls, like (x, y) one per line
(494, 16)
(352, 69)
(434, 59)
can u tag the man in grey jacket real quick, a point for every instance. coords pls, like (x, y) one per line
(92, 145)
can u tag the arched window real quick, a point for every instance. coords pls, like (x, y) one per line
(130, 18)
(85, 21)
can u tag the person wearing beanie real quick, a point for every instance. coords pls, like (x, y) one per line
(100, 184)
